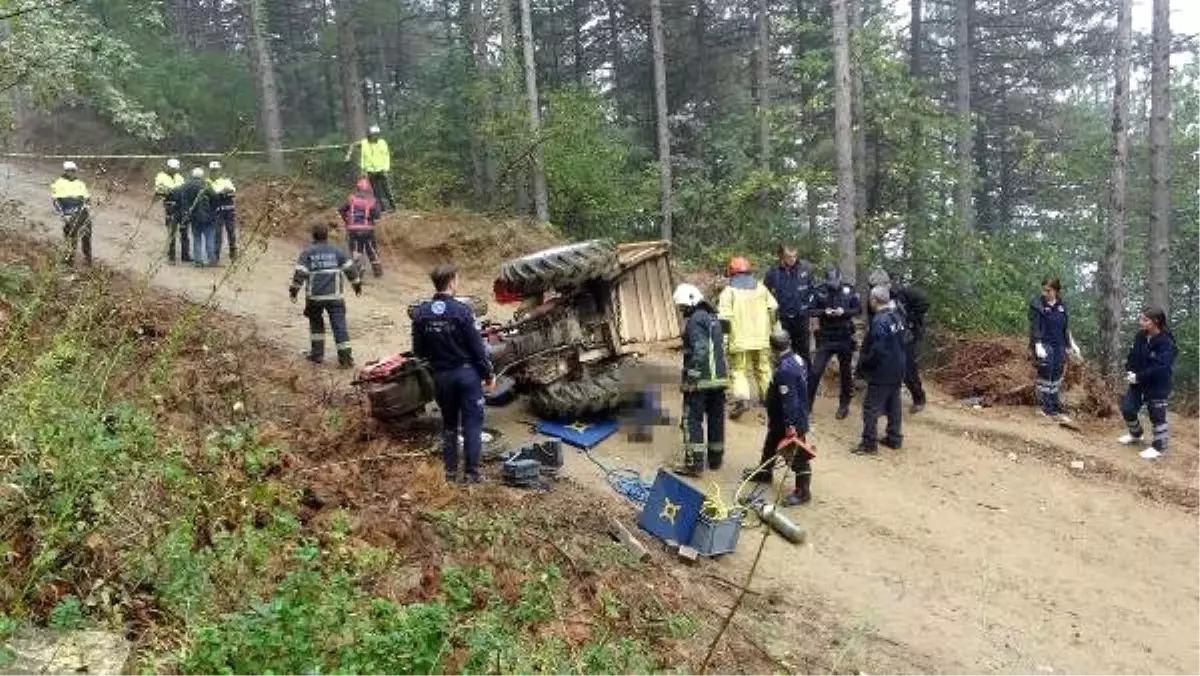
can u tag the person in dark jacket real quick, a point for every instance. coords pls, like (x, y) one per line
(705, 377)
(1148, 370)
(445, 337)
(791, 284)
(320, 269)
(836, 306)
(1049, 343)
(911, 306)
(360, 213)
(882, 365)
(195, 213)
(787, 419)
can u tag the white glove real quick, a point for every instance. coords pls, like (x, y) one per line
(1040, 351)
(1075, 351)
(1131, 378)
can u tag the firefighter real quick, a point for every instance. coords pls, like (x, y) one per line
(787, 419)
(445, 337)
(881, 364)
(705, 377)
(319, 269)
(1148, 370)
(791, 284)
(221, 193)
(195, 212)
(70, 197)
(910, 307)
(360, 213)
(749, 308)
(1050, 342)
(836, 306)
(166, 188)
(374, 163)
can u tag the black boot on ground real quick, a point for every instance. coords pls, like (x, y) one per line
(715, 459)
(893, 444)
(344, 359)
(377, 269)
(803, 493)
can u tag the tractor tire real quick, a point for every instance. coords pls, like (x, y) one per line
(578, 399)
(564, 266)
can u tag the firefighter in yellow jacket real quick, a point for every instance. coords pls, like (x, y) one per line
(70, 197)
(374, 162)
(750, 309)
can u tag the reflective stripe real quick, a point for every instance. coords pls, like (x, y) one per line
(343, 346)
(301, 268)
(347, 265)
(317, 337)
(336, 296)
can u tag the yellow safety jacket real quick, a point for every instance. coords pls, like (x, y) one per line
(68, 194)
(750, 314)
(374, 158)
(165, 183)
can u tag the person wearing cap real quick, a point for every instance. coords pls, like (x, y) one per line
(221, 192)
(836, 306)
(787, 420)
(195, 213)
(749, 308)
(319, 269)
(911, 306)
(70, 197)
(360, 213)
(792, 285)
(881, 364)
(166, 186)
(705, 377)
(374, 162)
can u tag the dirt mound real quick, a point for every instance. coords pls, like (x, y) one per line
(281, 207)
(475, 243)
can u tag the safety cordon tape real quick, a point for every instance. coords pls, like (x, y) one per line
(232, 153)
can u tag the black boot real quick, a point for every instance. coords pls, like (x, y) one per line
(344, 359)
(693, 462)
(802, 494)
(715, 458)
(377, 269)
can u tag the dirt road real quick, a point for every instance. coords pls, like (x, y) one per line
(978, 548)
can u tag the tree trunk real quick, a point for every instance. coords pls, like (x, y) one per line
(510, 75)
(660, 105)
(842, 90)
(577, 20)
(764, 91)
(1114, 240)
(354, 114)
(540, 202)
(857, 99)
(962, 50)
(614, 49)
(1160, 196)
(268, 91)
(914, 226)
(477, 43)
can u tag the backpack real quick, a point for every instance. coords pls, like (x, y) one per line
(360, 206)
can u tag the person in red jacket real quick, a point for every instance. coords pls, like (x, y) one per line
(360, 213)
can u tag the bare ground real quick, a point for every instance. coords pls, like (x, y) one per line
(978, 548)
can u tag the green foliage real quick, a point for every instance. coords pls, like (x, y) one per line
(68, 614)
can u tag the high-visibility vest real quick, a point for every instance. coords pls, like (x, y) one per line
(222, 185)
(65, 188)
(749, 314)
(164, 183)
(374, 158)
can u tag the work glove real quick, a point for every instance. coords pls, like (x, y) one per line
(1075, 351)
(293, 292)
(1040, 351)
(1131, 378)
(358, 288)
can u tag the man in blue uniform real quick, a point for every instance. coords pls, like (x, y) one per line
(705, 377)
(787, 418)
(910, 307)
(836, 306)
(881, 364)
(445, 337)
(320, 269)
(791, 284)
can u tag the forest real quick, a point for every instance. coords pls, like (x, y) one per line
(973, 146)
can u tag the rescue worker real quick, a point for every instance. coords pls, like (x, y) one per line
(1049, 342)
(910, 306)
(749, 308)
(374, 163)
(360, 213)
(445, 337)
(791, 284)
(787, 419)
(221, 193)
(70, 197)
(195, 213)
(881, 364)
(705, 377)
(836, 306)
(166, 186)
(1148, 370)
(319, 269)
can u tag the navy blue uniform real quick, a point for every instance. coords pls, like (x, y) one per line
(705, 377)
(787, 406)
(1152, 360)
(196, 214)
(882, 365)
(1049, 324)
(319, 269)
(835, 337)
(444, 336)
(793, 290)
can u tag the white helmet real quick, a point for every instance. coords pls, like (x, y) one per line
(214, 165)
(687, 295)
(197, 173)
(374, 129)
(173, 164)
(69, 166)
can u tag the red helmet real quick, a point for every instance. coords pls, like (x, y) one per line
(363, 185)
(738, 265)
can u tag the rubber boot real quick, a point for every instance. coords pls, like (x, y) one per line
(716, 456)
(803, 492)
(693, 462)
(344, 359)
(377, 269)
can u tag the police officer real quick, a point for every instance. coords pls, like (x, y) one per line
(881, 364)
(836, 306)
(792, 285)
(911, 306)
(445, 337)
(166, 186)
(221, 194)
(320, 269)
(705, 377)
(787, 418)
(70, 197)
(195, 212)
(360, 213)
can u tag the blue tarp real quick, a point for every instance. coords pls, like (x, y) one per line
(583, 435)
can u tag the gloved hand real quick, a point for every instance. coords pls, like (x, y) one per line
(1075, 351)
(1131, 378)
(693, 374)
(358, 288)
(838, 312)
(1040, 351)
(293, 292)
